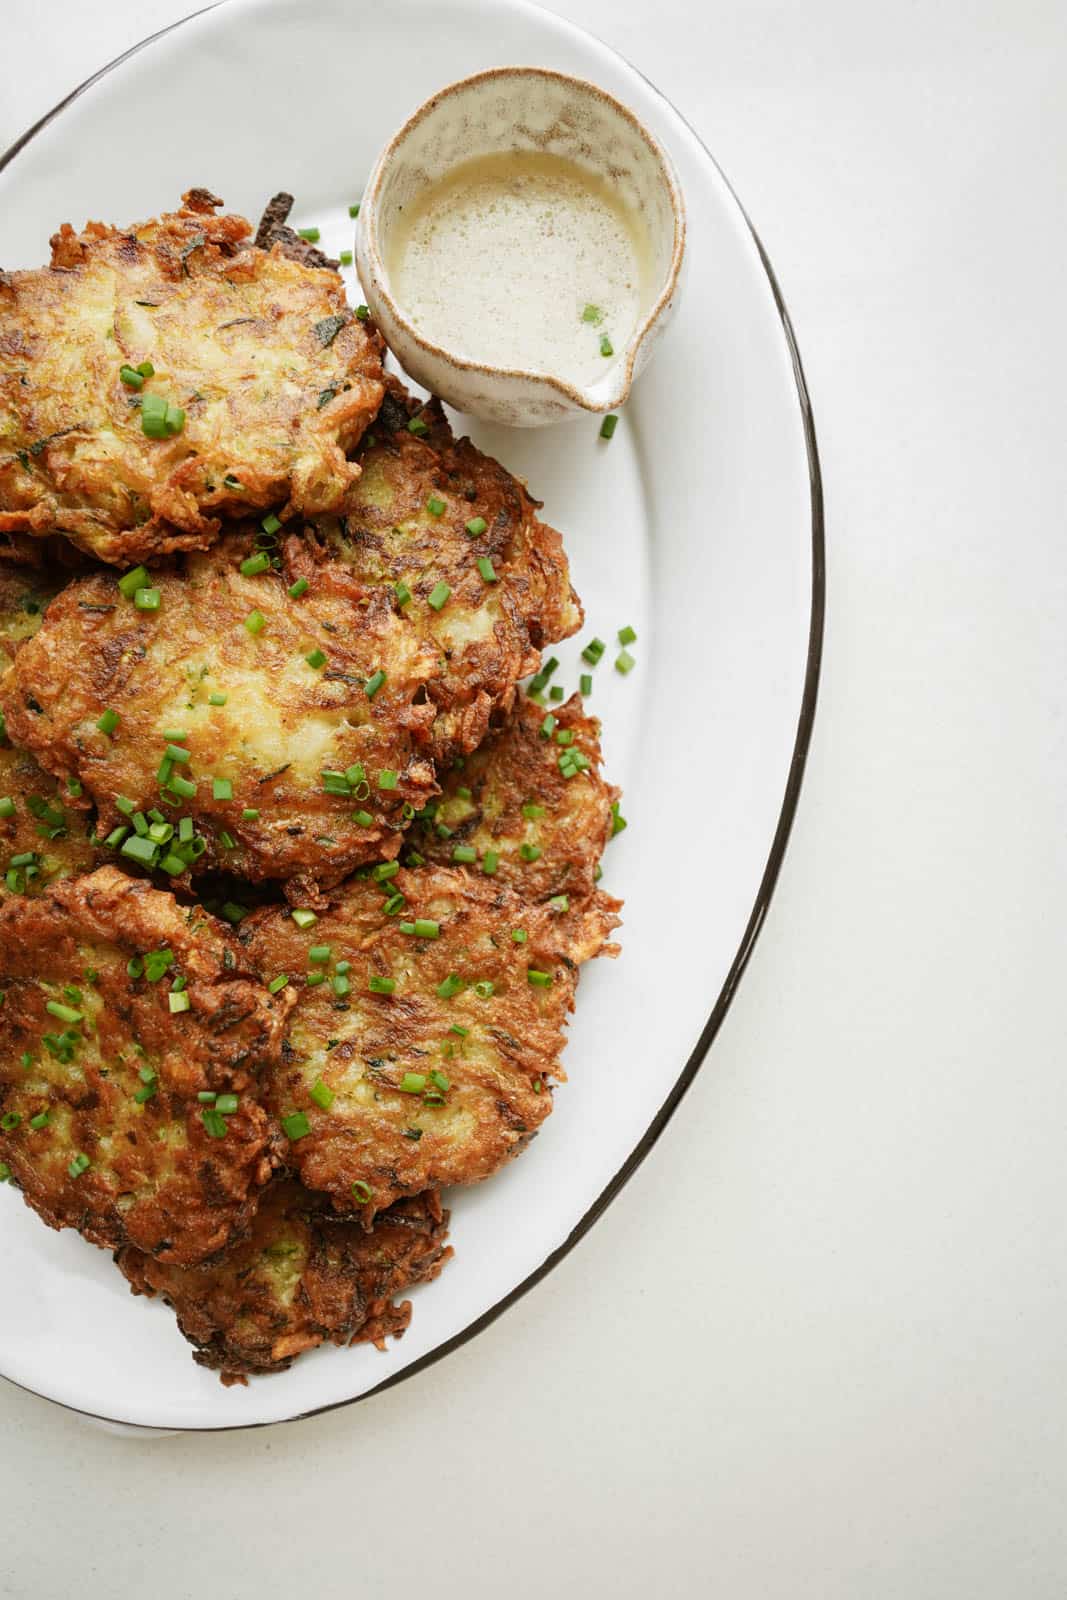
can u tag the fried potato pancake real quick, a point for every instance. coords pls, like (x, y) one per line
(299, 700)
(276, 379)
(424, 1035)
(120, 1009)
(529, 824)
(24, 594)
(302, 1276)
(427, 510)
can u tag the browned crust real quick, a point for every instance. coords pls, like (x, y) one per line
(303, 1276)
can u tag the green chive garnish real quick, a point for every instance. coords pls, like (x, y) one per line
(322, 1095)
(485, 567)
(296, 1125)
(606, 347)
(624, 662)
(608, 426)
(218, 698)
(316, 659)
(256, 564)
(540, 980)
(438, 595)
(312, 235)
(476, 527)
(435, 507)
(304, 918)
(147, 599)
(109, 721)
(301, 586)
(255, 622)
(374, 683)
(378, 985)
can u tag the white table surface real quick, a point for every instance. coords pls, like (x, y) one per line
(816, 1348)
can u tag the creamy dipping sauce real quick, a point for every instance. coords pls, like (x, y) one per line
(521, 259)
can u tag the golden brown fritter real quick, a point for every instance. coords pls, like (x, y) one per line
(276, 378)
(491, 623)
(302, 1276)
(120, 1009)
(424, 1034)
(24, 594)
(529, 824)
(285, 721)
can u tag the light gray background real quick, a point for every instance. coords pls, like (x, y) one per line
(816, 1347)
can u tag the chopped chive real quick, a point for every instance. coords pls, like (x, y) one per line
(484, 989)
(226, 1104)
(322, 1095)
(457, 1029)
(362, 313)
(316, 659)
(592, 314)
(131, 581)
(624, 662)
(627, 635)
(560, 902)
(173, 864)
(40, 1121)
(450, 986)
(361, 1192)
(234, 912)
(270, 523)
(548, 726)
(109, 721)
(9, 1121)
(608, 426)
(254, 565)
(556, 692)
(378, 985)
(135, 967)
(402, 592)
(276, 985)
(217, 698)
(618, 822)
(412, 1083)
(593, 651)
(441, 1081)
(465, 853)
(564, 736)
(312, 235)
(344, 966)
(540, 980)
(353, 210)
(490, 862)
(340, 985)
(64, 1013)
(255, 622)
(374, 683)
(7, 806)
(177, 752)
(249, 814)
(485, 567)
(314, 978)
(131, 377)
(301, 586)
(345, 256)
(418, 427)
(606, 346)
(438, 595)
(530, 852)
(185, 787)
(320, 953)
(532, 812)
(214, 1122)
(585, 683)
(207, 1097)
(179, 1002)
(81, 1163)
(145, 368)
(387, 778)
(296, 1125)
(304, 918)
(435, 507)
(476, 527)
(139, 849)
(147, 599)
(364, 819)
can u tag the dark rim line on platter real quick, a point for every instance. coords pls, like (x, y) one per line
(790, 799)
